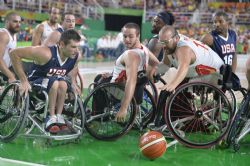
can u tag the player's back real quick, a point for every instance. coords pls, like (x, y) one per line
(204, 54)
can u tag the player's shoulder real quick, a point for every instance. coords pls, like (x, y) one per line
(231, 32)
(213, 33)
(4, 34)
(40, 27)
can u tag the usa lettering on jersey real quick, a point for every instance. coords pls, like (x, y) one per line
(227, 48)
(53, 72)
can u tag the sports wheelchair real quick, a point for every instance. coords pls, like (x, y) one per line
(104, 101)
(240, 126)
(199, 114)
(26, 115)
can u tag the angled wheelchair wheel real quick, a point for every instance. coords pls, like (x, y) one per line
(150, 86)
(147, 110)
(238, 121)
(13, 112)
(198, 114)
(101, 106)
(235, 97)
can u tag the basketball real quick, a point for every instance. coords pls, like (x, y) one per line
(152, 144)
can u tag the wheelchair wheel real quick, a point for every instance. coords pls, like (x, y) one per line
(238, 121)
(198, 114)
(147, 110)
(235, 97)
(74, 115)
(13, 112)
(150, 86)
(101, 106)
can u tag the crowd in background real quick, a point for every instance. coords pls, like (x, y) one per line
(186, 13)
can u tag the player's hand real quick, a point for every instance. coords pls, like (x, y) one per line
(121, 116)
(168, 87)
(11, 79)
(76, 89)
(24, 88)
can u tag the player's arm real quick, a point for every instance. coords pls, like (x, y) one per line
(234, 61)
(153, 63)
(37, 35)
(184, 56)
(53, 39)
(207, 39)
(153, 46)
(163, 66)
(131, 61)
(38, 54)
(4, 40)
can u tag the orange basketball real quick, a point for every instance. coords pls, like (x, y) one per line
(152, 144)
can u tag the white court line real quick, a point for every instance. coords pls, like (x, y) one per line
(19, 162)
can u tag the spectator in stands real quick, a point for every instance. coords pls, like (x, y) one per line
(43, 30)
(68, 22)
(8, 42)
(161, 19)
(84, 46)
(120, 47)
(222, 39)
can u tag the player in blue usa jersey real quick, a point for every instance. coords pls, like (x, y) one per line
(51, 65)
(222, 39)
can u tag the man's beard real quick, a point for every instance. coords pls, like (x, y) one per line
(154, 31)
(169, 51)
(13, 30)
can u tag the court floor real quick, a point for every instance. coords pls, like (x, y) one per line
(123, 152)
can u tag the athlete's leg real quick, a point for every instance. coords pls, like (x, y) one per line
(52, 97)
(61, 93)
(51, 124)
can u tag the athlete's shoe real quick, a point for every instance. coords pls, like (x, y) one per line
(51, 125)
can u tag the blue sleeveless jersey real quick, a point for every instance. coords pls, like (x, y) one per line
(53, 66)
(225, 48)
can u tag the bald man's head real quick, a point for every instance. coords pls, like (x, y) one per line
(168, 30)
(168, 38)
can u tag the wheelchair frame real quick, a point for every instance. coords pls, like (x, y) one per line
(240, 126)
(32, 123)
